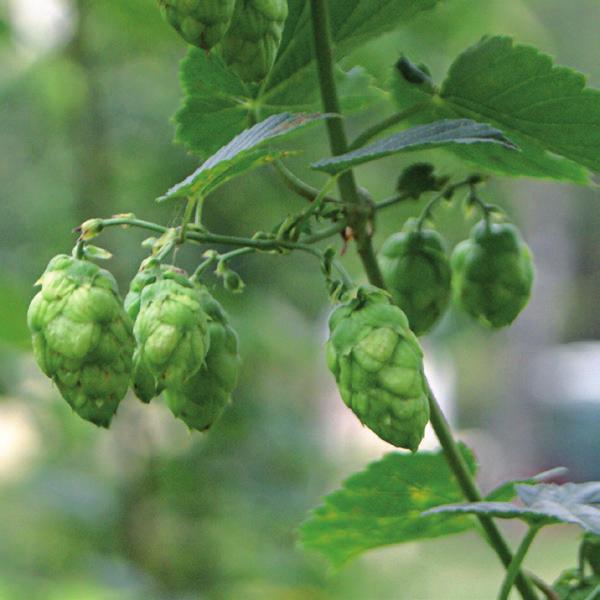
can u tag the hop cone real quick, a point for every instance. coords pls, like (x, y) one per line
(416, 270)
(493, 274)
(82, 337)
(171, 330)
(144, 383)
(203, 397)
(378, 365)
(250, 45)
(199, 22)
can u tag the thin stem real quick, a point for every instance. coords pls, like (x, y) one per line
(326, 233)
(378, 128)
(391, 201)
(516, 562)
(358, 210)
(428, 210)
(187, 215)
(297, 185)
(546, 589)
(471, 491)
(595, 595)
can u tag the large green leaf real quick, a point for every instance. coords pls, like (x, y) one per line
(546, 110)
(573, 503)
(245, 152)
(382, 506)
(432, 135)
(216, 104)
(353, 22)
(215, 107)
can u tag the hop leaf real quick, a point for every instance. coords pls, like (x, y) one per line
(378, 365)
(171, 330)
(199, 22)
(82, 337)
(203, 397)
(252, 41)
(416, 270)
(493, 274)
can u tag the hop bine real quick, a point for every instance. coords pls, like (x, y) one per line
(378, 365)
(493, 274)
(82, 337)
(416, 270)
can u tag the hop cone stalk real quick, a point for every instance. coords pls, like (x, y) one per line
(171, 330)
(416, 270)
(199, 22)
(251, 43)
(493, 274)
(378, 365)
(202, 398)
(82, 337)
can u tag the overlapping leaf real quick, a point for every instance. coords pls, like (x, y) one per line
(546, 110)
(245, 152)
(573, 503)
(432, 135)
(382, 506)
(217, 104)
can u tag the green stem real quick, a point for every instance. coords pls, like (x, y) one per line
(297, 185)
(595, 595)
(358, 210)
(541, 585)
(516, 562)
(471, 491)
(378, 128)
(391, 201)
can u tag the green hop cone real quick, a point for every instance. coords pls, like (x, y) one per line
(202, 23)
(171, 331)
(252, 41)
(202, 398)
(82, 337)
(378, 365)
(143, 381)
(417, 272)
(493, 274)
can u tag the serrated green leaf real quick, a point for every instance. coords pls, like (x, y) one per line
(432, 135)
(353, 22)
(381, 506)
(578, 504)
(508, 490)
(546, 110)
(216, 103)
(245, 152)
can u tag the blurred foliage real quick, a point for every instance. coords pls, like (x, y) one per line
(147, 510)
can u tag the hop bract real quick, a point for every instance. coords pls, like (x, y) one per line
(200, 22)
(252, 41)
(416, 271)
(82, 337)
(171, 330)
(493, 274)
(203, 397)
(378, 365)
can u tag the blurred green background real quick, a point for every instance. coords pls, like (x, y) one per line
(148, 511)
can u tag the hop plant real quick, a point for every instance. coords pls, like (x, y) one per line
(171, 330)
(82, 337)
(252, 41)
(203, 397)
(416, 270)
(199, 22)
(378, 365)
(493, 274)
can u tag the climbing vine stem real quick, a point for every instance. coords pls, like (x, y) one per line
(358, 221)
